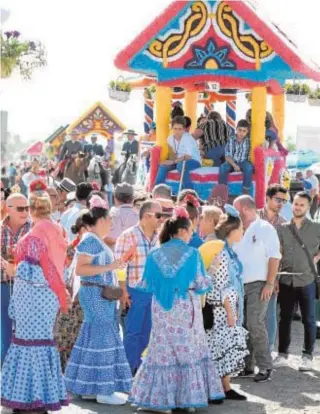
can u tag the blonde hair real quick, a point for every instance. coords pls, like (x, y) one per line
(212, 213)
(40, 204)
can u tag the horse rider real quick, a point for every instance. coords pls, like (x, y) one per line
(94, 148)
(71, 147)
(131, 146)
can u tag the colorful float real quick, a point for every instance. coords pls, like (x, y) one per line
(197, 45)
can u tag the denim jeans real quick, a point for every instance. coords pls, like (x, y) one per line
(138, 327)
(189, 166)
(245, 166)
(6, 322)
(216, 154)
(306, 297)
(271, 321)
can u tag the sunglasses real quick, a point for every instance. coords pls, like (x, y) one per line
(158, 216)
(21, 209)
(280, 200)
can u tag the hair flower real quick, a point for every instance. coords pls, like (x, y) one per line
(181, 212)
(97, 202)
(231, 211)
(192, 199)
(38, 186)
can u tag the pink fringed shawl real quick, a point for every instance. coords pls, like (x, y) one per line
(52, 255)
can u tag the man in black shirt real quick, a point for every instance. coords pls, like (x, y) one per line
(94, 148)
(213, 136)
(131, 146)
(71, 147)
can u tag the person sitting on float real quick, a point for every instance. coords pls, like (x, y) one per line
(271, 140)
(271, 125)
(237, 153)
(184, 154)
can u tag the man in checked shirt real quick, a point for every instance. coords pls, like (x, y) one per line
(237, 153)
(141, 239)
(14, 226)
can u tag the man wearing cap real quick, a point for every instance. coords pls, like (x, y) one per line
(94, 148)
(131, 146)
(71, 147)
(123, 215)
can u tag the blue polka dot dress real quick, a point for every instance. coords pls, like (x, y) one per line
(98, 364)
(31, 373)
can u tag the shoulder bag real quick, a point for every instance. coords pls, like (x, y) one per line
(310, 259)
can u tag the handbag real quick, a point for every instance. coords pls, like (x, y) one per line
(310, 259)
(108, 292)
(112, 292)
(207, 313)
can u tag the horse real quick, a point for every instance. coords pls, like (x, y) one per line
(127, 171)
(97, 173)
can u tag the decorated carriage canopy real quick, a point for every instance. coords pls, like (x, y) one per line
(230, 42)
(98, 119)
(57, 137)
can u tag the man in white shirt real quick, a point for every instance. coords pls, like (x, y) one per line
(69, 217)
(314, 192)
(184, 154)
(259, 252)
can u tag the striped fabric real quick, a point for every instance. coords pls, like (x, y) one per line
(238, 151)
(135, 238)
(122, 218)
(215, 134)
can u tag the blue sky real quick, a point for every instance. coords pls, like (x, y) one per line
(82, 39)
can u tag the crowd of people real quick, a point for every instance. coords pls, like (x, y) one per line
(121, 296)
(160, 299)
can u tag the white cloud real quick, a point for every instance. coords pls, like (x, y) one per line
(82, 39)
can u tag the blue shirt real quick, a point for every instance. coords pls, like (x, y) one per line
(195, 240)
(68, 219)
(238, 151)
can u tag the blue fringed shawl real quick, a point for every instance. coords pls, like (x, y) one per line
(170, 271)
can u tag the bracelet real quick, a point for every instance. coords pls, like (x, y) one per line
(270, 284)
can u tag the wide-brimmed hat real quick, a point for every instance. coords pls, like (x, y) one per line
(130, 132)
(167, 206)
(66, 185)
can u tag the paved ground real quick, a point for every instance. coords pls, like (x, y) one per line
(290, 392)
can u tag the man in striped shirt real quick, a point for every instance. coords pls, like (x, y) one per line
(140, 239)
(237, 153)
(213, 136)
(277, 197)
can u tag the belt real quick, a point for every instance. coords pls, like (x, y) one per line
(92, 284)
(33, 342)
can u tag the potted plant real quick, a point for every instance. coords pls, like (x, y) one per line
(296, 92)
(19, 54)
(314, 97)
(149, 92)
(119, 90)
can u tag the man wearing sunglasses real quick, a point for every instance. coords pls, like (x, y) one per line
(277, 197)
(15, 225)
(141, 239)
